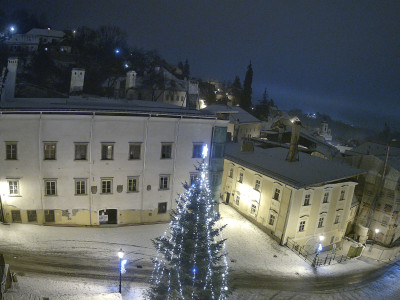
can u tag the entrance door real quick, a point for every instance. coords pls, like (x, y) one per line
(108, 216)
(227, 198)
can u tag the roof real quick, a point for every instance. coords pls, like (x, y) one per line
(237, 114)
(370, 148)
(46, 32)
(308, 171)
(102, 105)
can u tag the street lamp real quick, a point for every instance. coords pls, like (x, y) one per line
(376, 232)
(120, 255)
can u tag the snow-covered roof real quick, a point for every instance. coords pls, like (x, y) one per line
(46, 32)
(102, 105)
(236, 113)
(370, 148)
(308, 171)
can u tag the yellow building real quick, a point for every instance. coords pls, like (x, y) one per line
(307, 201)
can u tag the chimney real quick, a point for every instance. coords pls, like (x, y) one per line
(77, 80)
(293, 154)
(247, 145)
(10, 80)
(130, 80)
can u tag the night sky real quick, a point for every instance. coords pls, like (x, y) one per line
(336, 57)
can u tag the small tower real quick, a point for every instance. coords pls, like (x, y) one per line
(77, 80)
(10, 80)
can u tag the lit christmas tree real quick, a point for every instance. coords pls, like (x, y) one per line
(191, 261)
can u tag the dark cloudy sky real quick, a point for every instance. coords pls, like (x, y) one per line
(335, 57)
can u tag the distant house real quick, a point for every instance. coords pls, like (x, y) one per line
(308, 201)
(379, 191)
(29, 42)
(241, 123)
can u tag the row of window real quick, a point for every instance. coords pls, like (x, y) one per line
(171, 97)
(107, 151)
(50, 185)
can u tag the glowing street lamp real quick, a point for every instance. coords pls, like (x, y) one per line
(376, 232)
(121, 255)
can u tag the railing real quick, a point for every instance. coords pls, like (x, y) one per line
(316, 258)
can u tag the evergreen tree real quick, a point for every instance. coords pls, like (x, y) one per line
(262, 109)
(247, 90)
(236, 90)
(191, 261)
(186, 69)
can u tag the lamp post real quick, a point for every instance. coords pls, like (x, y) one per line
(120, 255)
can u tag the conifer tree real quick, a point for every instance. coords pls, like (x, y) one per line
(247, 90)
(191, 261)
(186, 69)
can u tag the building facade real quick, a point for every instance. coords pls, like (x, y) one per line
(307, 201)
(93, 167)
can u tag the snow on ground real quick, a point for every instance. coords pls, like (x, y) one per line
(250, 250)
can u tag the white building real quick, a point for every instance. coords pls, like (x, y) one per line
(92, 161)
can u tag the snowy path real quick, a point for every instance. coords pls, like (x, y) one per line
(64, 262)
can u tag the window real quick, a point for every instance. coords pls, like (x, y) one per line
(257, 185)
(107, 151)
(13, 187)
(271, 220)
(193, 177)
(162, 208)
(80, 186)
(231, 173)
(166, 151)
(80, 151)
(326, 197)
(49, 216)
(32, 217)
(133, 183)
(106, 185)
(337, 219)
(197, 150)
(164, 182)
(50, 187)
(342, 195)
(50, 151)
(134, 151)
(302, 225)
(16, 216)
(276, 194)
(240, 177)
(321, 222)
(218, 150)
(237, 201)
(253, 209)
(307, 200)
(11, 151)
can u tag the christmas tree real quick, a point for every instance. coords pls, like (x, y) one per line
(191, 262)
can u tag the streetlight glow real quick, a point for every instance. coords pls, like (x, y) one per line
(12, 28)
(121, 253)
(321, 238)
(376, 230)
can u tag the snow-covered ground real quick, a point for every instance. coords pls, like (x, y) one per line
(250, 252)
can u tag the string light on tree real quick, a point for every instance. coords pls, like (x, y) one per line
(191, 260)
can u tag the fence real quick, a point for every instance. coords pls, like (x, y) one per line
(316, 258)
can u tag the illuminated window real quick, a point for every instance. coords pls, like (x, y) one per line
(321, 222)
(276, 194)
(302, 225)
(307, 200)
(257, 185)
(237, 201)
(326, 197)
(80, 151)
(49, 151)
(133, 184)
(13, 187)
(134, 150)
(164, 182)
(271, 220)
(106, 185)
(107, 151)
(166, 151)
(11, 151)
(50, 187)
(80, 186)
(197, 150)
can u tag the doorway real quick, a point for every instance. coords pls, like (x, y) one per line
(227, 198)
(108, 216)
